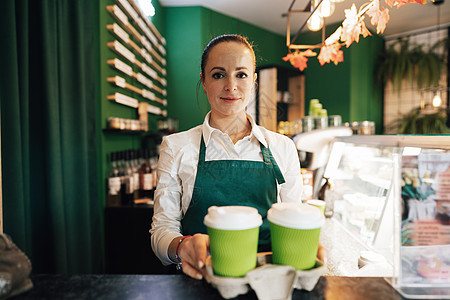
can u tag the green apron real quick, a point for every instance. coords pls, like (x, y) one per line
(233, 182)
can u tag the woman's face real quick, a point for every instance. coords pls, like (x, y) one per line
(229, 78)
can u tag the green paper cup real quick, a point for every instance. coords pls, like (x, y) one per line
(295, 230)
(233, 239)
(317, 203)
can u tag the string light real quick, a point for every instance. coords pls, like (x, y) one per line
(437, 101)
(315, 22)
(147, 7)
(326, 8)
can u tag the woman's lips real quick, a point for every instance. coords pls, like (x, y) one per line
(229, 99)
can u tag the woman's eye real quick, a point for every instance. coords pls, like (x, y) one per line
(218, 75)
(241, 75)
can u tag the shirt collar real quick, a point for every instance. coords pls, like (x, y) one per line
(208, 130)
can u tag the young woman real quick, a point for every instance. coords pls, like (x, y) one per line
(228, 160)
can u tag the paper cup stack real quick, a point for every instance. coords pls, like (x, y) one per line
(233, 236)
(295, 230)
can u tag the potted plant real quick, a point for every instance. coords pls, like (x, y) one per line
(421, 121)
(401, 60)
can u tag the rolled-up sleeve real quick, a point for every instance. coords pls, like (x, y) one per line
(167, 207)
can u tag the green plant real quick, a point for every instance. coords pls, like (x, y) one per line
(412, 62)
(421, 121)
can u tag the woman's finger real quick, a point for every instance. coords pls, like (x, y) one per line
(189, 270)
(187, 252)
(201, 249)
(322, 254)
(193, 254)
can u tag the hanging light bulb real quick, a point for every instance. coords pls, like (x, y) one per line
(326, 8)
(437, 101)
(147, 7)
(315, 22)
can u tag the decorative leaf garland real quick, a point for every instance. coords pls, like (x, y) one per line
(352, 27)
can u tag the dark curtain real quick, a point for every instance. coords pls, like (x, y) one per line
(48, 76)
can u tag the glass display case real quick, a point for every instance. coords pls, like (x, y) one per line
(392, 194)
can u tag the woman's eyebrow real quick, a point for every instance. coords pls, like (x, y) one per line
(223, 69)
(217, 68)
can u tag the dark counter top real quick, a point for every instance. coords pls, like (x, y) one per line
(182, 287)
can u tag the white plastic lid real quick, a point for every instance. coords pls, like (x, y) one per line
(232, 217)
(371, 257)
(296, 215)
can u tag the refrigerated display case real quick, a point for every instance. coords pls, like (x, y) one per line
(391, 194)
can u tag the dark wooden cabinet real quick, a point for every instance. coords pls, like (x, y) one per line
(127, 241)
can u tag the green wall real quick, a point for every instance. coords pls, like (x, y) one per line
(183, 34)
(347, 89)
(188, 30)
(110, 142)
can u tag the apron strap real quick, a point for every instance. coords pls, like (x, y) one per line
(269, 160)
(201, 155)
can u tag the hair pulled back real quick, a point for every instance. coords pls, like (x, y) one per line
(222, 39)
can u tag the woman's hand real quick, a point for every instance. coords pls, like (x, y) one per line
(322, 254)
(192, 252)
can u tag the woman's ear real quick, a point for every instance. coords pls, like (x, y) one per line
(202, 80)
(255, 83)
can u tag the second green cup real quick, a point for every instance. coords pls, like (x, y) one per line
(295, 230)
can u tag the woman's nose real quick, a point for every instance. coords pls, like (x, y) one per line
(230, 84)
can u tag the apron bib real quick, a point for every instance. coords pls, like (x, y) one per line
(233, 182)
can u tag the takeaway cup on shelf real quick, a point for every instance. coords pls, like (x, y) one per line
(233, 239)
(317, 203)
(295, 230)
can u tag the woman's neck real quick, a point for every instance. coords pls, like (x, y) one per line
(236, 127)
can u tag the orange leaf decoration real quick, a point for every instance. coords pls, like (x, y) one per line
(353, 26)
(400, 3)
(299, 59)
(350, 28)
(330, 53)
(390, 3)
(378, 17)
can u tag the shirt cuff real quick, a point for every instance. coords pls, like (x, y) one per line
(163, 248)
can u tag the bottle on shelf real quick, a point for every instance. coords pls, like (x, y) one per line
(146, 176)
(128, 180)
(153, 161)
(324, 194)
(135, 168)
(114, 182)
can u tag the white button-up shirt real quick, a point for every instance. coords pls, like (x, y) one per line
(177, 169)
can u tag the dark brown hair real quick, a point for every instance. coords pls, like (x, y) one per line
(222, 39)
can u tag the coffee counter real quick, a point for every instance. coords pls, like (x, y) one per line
(182, 287)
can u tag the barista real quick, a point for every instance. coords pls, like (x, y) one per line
(228, 160)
